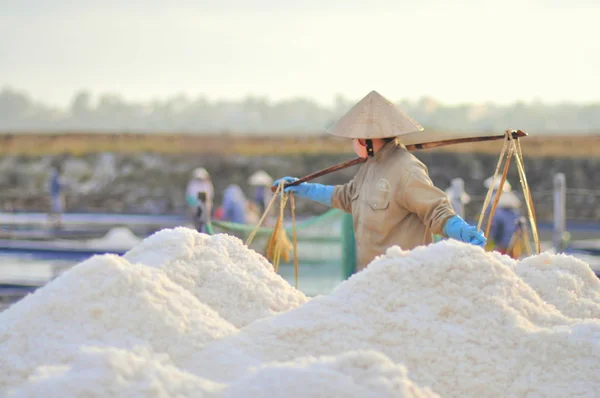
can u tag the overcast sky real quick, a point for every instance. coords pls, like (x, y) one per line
(459, 51)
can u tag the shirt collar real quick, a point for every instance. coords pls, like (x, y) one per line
(385, 150)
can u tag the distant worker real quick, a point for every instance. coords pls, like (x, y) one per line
(201, 215)
(391, 197)
(57, 196)
(200, 182)
(235, 205)
(262, 182)
(458, 201)
(506, 218)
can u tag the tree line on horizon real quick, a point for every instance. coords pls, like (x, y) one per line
(19, 112)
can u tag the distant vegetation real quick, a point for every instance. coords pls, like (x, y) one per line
(110, 113)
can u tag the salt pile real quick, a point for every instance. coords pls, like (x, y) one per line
(163, 321)
(221, 272)
(565, 282)
(461, 322)
(141, 373)
(113, 372)
(353, 374)
(104, 301)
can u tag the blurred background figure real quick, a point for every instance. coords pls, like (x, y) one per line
(506, 217)
(56, 187)
(519, 245)
(458, 200)
(199, 183)
(201, 215)
(235, 205)
(261, 182)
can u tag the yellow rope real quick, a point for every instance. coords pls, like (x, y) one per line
(498, 191)
(528, 198)
(262, 219)
(279, 244)
(526, 243)
(514, 148)
(513, 246)
(488, 196)
(520, 152)
(294, 237)
(519, 242)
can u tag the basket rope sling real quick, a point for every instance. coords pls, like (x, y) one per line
(512, 147)
(279, 244)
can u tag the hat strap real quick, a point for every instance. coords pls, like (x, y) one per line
(370, 151)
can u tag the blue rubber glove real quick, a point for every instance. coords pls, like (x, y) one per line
(458, 229)
(317, 192)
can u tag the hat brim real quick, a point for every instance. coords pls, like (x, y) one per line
(374, 117)
(509, 200)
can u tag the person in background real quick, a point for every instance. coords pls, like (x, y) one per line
(201, 216)
(56, 187)
(506, 218)
(200, 182)
(392, 199)
(235, 205)
(456, 202)
(261, 181)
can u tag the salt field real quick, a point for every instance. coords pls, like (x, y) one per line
(187, 314)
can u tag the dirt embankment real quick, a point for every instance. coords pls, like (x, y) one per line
(148, 173)
(31, 144)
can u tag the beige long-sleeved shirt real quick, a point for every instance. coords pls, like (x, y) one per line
(393, 202)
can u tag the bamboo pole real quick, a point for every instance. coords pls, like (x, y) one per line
(410, 148)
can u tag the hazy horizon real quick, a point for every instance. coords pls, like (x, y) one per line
(467, 52)
(254, 115)
(97, 96)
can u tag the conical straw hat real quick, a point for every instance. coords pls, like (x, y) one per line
(200, 173)
(488, 182)
(260, 178)
(374, 117)
(510, 200)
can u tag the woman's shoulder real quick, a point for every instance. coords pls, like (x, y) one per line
(402, 158)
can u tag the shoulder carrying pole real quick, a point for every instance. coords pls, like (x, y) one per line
(411, 148)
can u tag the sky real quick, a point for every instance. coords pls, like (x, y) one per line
(456, 52)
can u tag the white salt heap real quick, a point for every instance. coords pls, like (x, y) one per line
(162, 322)
(221, 272)
(354, 374)
(461, 321)
(112, 372)
(565, 282)
(104, 301)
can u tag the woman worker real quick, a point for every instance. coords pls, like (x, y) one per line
(262, 183)
(391, 197)
(200, 183)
